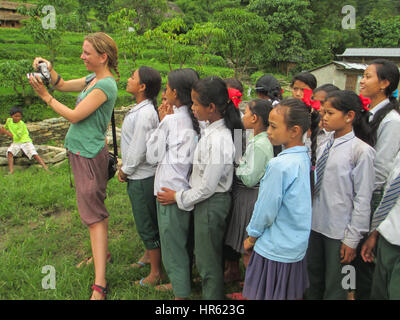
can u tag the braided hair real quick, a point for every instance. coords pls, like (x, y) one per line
(152, 79)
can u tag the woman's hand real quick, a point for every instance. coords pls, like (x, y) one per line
(40, 89)
(347, 254)
(167, 197)
(36, 62)
(367, 253)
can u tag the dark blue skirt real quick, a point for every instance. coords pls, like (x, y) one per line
(271, 280)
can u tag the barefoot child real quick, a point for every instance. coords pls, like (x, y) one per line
(17, 130)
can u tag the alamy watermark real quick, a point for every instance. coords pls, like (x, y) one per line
(49, 21)
(349, 280)
(49, 281)
(349, 21)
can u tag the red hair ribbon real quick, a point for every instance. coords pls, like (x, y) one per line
(234, 96)
(365, 102)
(307, 93)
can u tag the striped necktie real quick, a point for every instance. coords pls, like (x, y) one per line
(387, 203)
(321, 163)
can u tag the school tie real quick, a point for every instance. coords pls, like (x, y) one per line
(387, 203)
(321, 163)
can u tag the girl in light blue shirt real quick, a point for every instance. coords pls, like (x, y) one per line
(281, 221)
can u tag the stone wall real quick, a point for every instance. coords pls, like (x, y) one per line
(53, 130)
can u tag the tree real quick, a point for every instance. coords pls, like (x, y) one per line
(170, 38)
(129, 42)
(13, 74)
(205, 36)
(380, 33)
(45, 26)
(150, 13)
(291, 19)
(248, 41)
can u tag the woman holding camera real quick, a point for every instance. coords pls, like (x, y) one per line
(85, 140)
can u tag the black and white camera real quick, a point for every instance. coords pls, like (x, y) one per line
(43, 73)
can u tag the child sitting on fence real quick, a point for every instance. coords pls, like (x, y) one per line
(16, 129)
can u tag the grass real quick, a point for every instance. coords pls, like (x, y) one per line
(40, 226)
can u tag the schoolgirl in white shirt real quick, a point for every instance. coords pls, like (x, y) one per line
(139, 122)
(171, 146)
(341, 206)
(380, 81)
(211, 181)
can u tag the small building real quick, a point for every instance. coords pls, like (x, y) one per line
(366, 55)
(344, 75)
(9, 17)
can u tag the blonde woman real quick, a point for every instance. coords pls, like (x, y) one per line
(85, 140)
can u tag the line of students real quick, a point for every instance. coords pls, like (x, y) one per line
(298, 230)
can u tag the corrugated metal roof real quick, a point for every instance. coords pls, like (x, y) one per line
(371, 52)
(346, 65)
(351, 65)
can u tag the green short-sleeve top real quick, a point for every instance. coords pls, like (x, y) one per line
(19, 131)
(86, 138)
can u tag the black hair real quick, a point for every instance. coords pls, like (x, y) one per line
(152, 79)
(306, 77)
(214, 90)
(346, 101)
(261, 108)
(385, 70)
(270, 87)
(15, 110)
(182, 80)
(326, 88)
(298, 113)
(234, 83)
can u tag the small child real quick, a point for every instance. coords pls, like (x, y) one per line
(17, 130)
(342, 195)
(281, 221)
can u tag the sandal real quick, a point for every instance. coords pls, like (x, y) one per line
(235, 296)
(164, 287)
(101, 289)
(89, 260)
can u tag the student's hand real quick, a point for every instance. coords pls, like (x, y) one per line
(347, 254)
(248, 244)
(162, 111)
(367, 249)
(122, 177)
(167, 197)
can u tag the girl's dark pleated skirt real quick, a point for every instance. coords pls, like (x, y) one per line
(271, 280)
(243, 201)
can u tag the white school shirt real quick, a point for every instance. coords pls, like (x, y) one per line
(171, 146)
(212, 166)
(136, 129)
(390, 227)
(322, 137)
(342, 209)
(387, 145)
